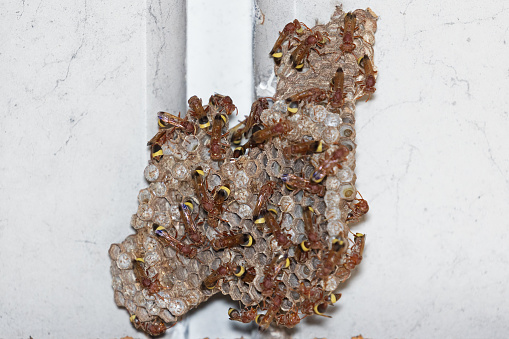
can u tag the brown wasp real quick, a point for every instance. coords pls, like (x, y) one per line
(233, 240)
(152, 285)
(329, 162)
(156, 150)
(289, 319)
(153, 328)
(350, 26)
(290, 29)
(360, 208)
(257, 108)
(319, 306)
(222, 102)
(217, 148)
(265, 193)
(269, 218)
(201, 190)
(292, 182)
(192, 232)
(315, 95)
(368, 85)
(305, 148)
(264, 320)
(243, 315)
(249, 276)
(220, 194)
(167, 121)
(223, 271)
(271, 272)
(353, 258)
(241, 150)
(168, 240)
(302, 51)
(337, 85)
(213, 206)
(332, 257)
(198, 112)
(281, 128)
(314, 241)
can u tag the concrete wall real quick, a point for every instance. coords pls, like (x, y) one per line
(75, 87)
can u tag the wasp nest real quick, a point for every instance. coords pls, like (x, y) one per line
(266, 223)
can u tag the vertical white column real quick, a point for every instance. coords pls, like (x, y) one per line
(166, 59)
(219, 52)
(271, 16)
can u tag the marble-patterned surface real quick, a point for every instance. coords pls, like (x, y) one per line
(432, 161)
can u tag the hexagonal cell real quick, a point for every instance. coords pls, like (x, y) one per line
(260, 246)
(319, 207)
(137, 223)
(241, 179)
(215, 264)
(144, 196)
(286, 305)
(114, 251)
(298, 196)
(261, 259)
(233, 218)
(180, 172)
(145, 212)
(151, 172)
(177, 307)
(130, 306)
(142, 314)
(241, 195)
(293, 281)
(244, 211)
(204, 271)
(167, 316)
(246, 299)
(191, 143)
(181, 273)
(347, 131)
(124, 261)
(193, 297)
(119, 298)
(150, 244)
(213, 180)
(345, 174)
(348, 143)
(274, 169)
(302, 271)
(315, 263)
(255, 295)
(287, 221)
(286, 204)
(330, 135)
(129, 244)
(347, 191)
(129, 290)
(249, 255)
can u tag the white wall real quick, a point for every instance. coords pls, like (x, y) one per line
(432, 161)
(72, 153)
